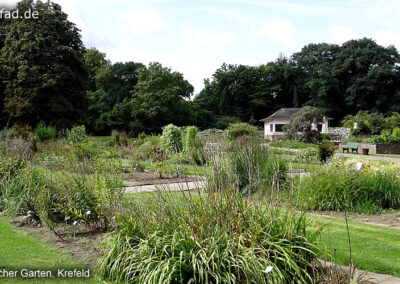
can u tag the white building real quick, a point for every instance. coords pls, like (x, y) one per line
(275, 123)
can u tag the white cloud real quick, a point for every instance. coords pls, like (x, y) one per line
(388, 37)
(341, 34)
(279, 32)
(143, 22)
(205, 37)
(227, 13)
(8, 3)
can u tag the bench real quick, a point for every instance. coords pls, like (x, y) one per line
(351, 146)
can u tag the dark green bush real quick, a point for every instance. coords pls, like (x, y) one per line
(325, 151)
(44, 133)
(193, 147)
(119, 138)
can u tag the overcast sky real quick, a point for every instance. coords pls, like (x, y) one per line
(196, 37)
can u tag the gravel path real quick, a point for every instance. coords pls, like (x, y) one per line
(166, 187)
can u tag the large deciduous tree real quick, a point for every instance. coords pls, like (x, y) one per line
(43, 68)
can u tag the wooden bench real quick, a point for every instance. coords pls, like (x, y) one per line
(351, 146)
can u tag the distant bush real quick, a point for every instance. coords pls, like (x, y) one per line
(241, 129)
(224, 122)
(8, 133)
(44, 133)
(307, 156)
(171, 139)
(77, 134)
(325, 151)
(193, 147)
(119, 138)
(387, 137)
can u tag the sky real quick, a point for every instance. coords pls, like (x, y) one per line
(197, 37)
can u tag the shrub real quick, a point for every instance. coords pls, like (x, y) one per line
(193, 147)
(241, 129)
(83, 151)
(307, 156)
(325, 151)
(339, 188)
(171, 139)
(44, 133)
(23, 131)
(77, 134)
(119, 138)
(387, 136)
(224, 122)
(302, 121)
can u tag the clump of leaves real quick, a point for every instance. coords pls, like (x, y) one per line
(77, 134)
(241, 129)
(44, 133)
(171, 139)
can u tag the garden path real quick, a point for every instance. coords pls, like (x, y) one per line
(177, 186)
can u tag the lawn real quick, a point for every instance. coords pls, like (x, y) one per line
(20, 250)
(374, 248)
(292, 144)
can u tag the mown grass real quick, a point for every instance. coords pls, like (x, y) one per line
(20, 250)
(374, 248)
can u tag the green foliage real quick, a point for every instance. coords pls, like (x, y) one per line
(351, 190)
(276, 169)
(302, 122)
(8, 133)
(292, 144)
(171, 139)
(224, 122)
(44, 133)
(77, 134)
(326, 150)
(193, 147)
(393, 121)
(119, 138)
(241, 129)
(348, 121)
(307, 156)
(215, 237)
(387, 137)
(249, 161)
(42, 67)
(368, 123)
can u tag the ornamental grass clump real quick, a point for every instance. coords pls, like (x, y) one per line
(214, 235)
(340, 186)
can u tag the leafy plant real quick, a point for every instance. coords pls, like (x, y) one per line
(44, 133)
(241, 129)
(325, 151)
(171, 139)
(77, 134)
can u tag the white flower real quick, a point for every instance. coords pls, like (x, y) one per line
(75, 223)
(88, 212)
(269, 269)
(67, 218)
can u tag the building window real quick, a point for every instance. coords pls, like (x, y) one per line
(271, 128)
(279, 127)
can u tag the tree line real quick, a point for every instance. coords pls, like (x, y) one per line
(47, 75)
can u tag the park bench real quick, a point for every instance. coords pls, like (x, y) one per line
(351, 146)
